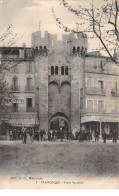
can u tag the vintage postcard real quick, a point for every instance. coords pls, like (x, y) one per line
(59, 94)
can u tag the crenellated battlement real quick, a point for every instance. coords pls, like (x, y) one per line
(68, 42)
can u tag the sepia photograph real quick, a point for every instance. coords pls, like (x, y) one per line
(59, 94)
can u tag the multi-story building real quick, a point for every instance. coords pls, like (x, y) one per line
(58, 84)
(100, 94)
(18, 73)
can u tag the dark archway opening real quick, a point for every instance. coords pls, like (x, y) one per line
(60, 125)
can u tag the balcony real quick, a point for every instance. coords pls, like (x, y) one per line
(95, 91)
(15, 88)
(115, 93)
(29, 88)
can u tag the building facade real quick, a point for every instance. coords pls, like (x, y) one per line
(57, 84)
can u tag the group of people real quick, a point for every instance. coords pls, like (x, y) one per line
(95, 135)
(113, 136)
(53, 135)
(62, 135)
(84, 135)
(15, 134)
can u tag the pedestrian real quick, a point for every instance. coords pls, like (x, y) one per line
(49, 135)
(24, 135)
(104, 136)
(61, 134)
(114, 136)
(93, 135)
(88, 135)
(51, 132)
(80, 136)
(32, 134)
(96, 136)
(16, 134)
(85, 133)
(54, 135)
(44, 135)
(11, 134)
(65, 136)
(41, 134)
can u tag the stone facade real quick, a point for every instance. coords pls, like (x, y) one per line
(68, 87)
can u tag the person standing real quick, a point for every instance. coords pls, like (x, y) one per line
(41, 134)
(32, 134)
(62, 134)
(49, 135)
(88, 135)
(114, 136)
(104, 136)
(24, 135)
(44, 135)
(80, 136)
(51, 138)
(96, 135)
(11, 134)
(54, 135)
(65, 136)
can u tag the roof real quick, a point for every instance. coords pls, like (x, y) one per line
(96, 54)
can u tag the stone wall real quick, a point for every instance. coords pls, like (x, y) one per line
(76, 84)
(41, 85)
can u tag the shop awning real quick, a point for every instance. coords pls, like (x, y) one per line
(98, 118)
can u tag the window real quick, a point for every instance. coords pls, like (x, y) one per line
(29, 83)
(66, 70)
(52, 70)
(100, 106)
(15, 107)
(56, 70)
(15, 82)
(29, 67)
(78, 49)
(100, 84)
(90, 105)
(62, 70)
(28, 103)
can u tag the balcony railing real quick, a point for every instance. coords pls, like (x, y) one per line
(15, 88)
(29, 88)
(91, 110)
(115, 93)
(95, 91)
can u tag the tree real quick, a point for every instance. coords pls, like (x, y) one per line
(97, 20)
(4, 94)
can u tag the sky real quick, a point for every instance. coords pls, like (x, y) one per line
(24, 17)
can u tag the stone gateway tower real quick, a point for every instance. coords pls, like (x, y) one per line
(59, 86)
(59, 66)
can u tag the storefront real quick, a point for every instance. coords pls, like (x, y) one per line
(13, 123)
(102, 122)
